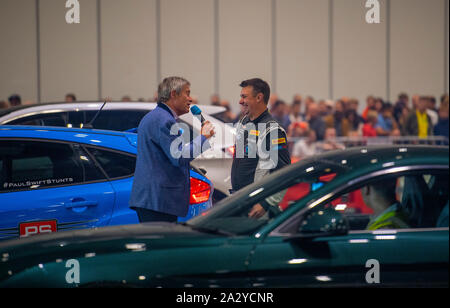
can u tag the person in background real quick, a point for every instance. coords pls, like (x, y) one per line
(315, 121)
(326, 107)
(215, 100)
(441, 128)
(370, 105)
(338, 120)
(296, 110)
(154, 98)
(298, 129)
(194, 99)
(432, 110)
(70, 97)
(226, 116)
(353, 104)
(280, 113)
(4, 105)
(240, 115)
(308, 101)
(305, 147)
(386, 123)
(222, 116)
(345, 100)
(400, 105)
(418, 123)
(388, 212)
(272, 99)
(379, 103)
(15, 100)
(330, 143)
(415, 101)
(444, 100)
(401, 110)
(355, 122)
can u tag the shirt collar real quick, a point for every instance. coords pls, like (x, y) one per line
(171, 111)
(259, 118)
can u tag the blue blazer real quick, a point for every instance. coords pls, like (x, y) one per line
(162, 176)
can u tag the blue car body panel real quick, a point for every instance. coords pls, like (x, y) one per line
(107, 139)
(87, 205)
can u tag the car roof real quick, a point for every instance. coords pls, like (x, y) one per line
(348, 164)
(104, 138)
(375, 157)
(355, 162)
(13, 113)
(381, 154)
(92, 105)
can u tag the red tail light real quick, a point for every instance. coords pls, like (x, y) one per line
(230, 150)
(327, 177)
(200, 191)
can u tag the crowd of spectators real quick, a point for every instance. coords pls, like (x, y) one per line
(379, 118)
(313, 126)
(13, 100)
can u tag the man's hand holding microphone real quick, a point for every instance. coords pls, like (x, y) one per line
(207, 128)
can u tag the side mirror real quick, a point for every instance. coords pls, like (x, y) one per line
(322, 222)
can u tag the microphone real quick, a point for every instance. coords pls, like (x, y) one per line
(197, 111)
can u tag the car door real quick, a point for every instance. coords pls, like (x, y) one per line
(286, 259)
(378, 249)
(48, 186)
(119, 167)
(413, 255)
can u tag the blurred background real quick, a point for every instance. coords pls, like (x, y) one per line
(319, 48)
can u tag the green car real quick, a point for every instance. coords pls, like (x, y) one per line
(375, 216)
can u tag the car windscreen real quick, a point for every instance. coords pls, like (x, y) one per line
(275, 195)
(118, 120)
(59, 119)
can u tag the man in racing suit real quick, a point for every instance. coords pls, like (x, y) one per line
(261, 144)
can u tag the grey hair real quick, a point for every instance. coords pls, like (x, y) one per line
(170, 84)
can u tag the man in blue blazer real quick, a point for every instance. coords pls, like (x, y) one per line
(161, 185)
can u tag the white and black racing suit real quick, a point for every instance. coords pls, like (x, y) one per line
(260, 148)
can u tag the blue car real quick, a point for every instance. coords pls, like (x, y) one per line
(54, 179)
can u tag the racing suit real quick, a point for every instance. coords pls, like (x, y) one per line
(260, 148)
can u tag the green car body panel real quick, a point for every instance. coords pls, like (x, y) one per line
(201, 254)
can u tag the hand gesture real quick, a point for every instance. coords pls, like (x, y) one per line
(207, 130)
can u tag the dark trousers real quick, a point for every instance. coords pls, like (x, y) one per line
(146, 215)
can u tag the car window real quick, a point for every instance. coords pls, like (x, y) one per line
(41, 164)
(415, 200)
(115, 164)
(43, 119)
(119, 120)
(257, 209)
(76, 118)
